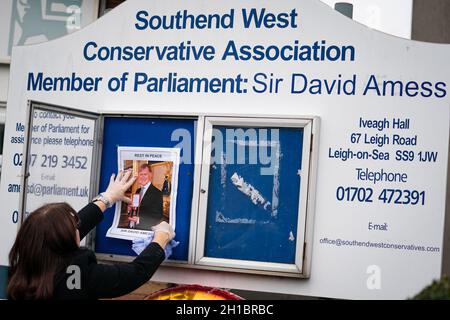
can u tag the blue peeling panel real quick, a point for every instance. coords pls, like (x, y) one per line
(253, 196)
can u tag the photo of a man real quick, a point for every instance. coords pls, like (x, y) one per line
(153, 194)
(150, 210)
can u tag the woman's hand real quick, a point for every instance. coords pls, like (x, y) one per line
(164, 233)
(118, 186)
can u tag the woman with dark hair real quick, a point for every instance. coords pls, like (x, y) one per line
(46, 261)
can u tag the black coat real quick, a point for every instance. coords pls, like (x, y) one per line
(102, 280)
(150, 208)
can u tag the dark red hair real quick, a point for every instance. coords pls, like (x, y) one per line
(43, 248)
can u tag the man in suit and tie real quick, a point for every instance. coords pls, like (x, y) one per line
(151, 200)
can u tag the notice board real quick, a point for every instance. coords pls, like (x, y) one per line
(146, 132)
(252, 215)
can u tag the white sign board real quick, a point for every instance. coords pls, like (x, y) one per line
(383, 104)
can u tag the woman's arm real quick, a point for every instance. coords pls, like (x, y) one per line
(109, 281)
(90, 216)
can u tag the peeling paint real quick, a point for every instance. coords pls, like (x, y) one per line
(276, 182)
(291, 236)
(223, 171)
(220, 218)
(250, 191)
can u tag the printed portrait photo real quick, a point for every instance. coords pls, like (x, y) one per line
(153, 194)
(150, 195)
